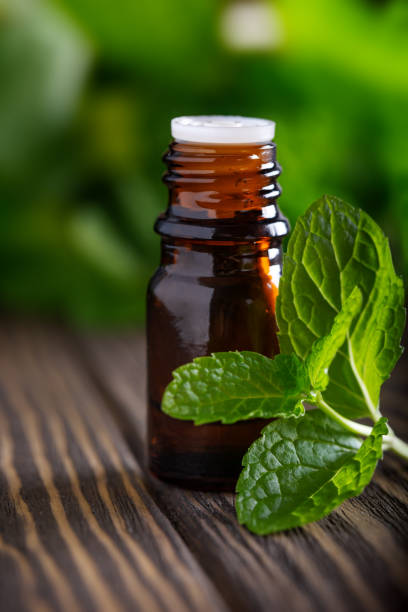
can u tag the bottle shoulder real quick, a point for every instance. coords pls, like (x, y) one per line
(245, 227)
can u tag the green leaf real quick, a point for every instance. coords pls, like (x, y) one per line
(234, 386)
(324, 350)
(334, 248)
(298, 471)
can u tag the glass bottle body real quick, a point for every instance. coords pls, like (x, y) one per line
(214, 291)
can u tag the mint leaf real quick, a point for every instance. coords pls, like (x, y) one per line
(334, 248)
(298, 471)
(325, 349)
(230, 387)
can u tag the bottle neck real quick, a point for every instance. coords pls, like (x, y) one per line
(222, 192)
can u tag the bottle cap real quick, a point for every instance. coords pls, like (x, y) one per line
(222, 129)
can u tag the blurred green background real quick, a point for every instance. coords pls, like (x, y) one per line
(87, 91)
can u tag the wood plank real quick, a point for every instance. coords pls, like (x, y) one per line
(78, 528)
(355, 559)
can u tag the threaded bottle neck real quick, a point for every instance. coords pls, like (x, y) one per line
(222, 192)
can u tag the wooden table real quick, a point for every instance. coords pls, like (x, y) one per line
(84, 527)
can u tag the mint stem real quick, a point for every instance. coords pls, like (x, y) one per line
(390, 441)
(358, 428)
(396, 445)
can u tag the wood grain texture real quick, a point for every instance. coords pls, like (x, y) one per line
(84, 527)
(355, 559)
(78, 528)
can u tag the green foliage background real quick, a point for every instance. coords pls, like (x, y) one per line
(87, 90)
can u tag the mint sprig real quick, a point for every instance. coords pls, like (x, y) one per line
(341, 316)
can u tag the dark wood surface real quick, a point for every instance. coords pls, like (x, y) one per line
(84, 527)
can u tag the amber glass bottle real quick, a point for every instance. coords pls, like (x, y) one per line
(216, 285)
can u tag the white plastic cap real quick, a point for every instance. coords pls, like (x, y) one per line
(222, 129)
